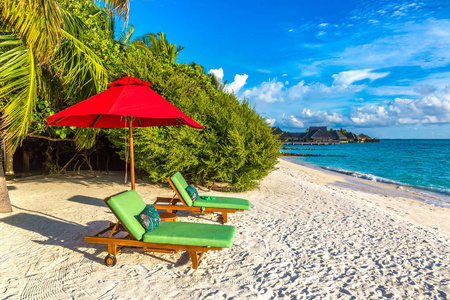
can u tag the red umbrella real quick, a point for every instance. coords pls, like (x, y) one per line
(128, 102)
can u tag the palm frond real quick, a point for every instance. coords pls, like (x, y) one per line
(80, 67)
(121, 7)
(19, 81)
(158, 44)
(125, 37)
(85, 137)
(141, 45)
(37, 22)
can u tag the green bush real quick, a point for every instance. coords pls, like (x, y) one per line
(236, 146)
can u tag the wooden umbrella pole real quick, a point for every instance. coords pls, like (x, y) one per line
(130, 126)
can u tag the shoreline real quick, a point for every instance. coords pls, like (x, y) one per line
(423, 194)
(309, 234)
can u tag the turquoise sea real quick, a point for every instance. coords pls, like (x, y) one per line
(421, 164)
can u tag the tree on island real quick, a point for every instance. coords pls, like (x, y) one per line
(343, 131)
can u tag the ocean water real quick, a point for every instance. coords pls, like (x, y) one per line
(421, 164)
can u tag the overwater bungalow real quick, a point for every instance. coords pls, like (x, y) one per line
(276, 130)
(352, 138)
(284, 137)
(296, 136)
(319, 135)
(367, 139)
(339, 136)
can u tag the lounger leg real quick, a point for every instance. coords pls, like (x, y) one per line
(225, 217)
(112, 249)
(194, 258)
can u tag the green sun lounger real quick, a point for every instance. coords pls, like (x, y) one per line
(222, 205)
(195, 238)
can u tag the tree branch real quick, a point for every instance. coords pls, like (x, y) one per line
(49, 138)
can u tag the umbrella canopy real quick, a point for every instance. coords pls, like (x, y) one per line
(126, 97)
(128, 102)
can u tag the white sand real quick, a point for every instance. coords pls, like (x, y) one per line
(308, 235)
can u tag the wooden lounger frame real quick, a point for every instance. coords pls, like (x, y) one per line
(172, 205)
(195, 252)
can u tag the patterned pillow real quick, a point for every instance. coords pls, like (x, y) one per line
(149, 218)
(192, 191)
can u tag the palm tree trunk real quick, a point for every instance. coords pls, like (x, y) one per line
(5, 202)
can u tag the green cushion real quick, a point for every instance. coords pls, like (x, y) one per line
(126, 205)
(181, 185)
(192, 234)
(223, 202)
(218, 202)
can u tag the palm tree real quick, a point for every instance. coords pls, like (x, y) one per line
(197, 67)
(5, 203)
(158, 45)
(38, 43)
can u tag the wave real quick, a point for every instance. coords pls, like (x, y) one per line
(364, 176)
(416, 189)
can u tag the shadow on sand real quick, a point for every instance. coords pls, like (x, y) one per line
(88, 200)
(70, 235)
(59, 232)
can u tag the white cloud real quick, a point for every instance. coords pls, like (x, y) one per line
(369, 116)
(322, 25)
(312, 118)
(271, 122)
(293, 122)
(322, 117)
(217, 72)
(402, 10)
(348, 77)
(312, 68)
(264, 71)
(401, 111)
(400, 46)
(271, 91)
(317, 90)
(237, 84)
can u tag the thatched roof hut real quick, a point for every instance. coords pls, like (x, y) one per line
(338, 136)
(318, 134)
(276, 130)
(363, 136)
(352, 137)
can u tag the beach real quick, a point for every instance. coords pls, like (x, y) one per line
(310, 234)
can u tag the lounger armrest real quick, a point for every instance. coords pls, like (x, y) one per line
(166, 200)
(176, 207)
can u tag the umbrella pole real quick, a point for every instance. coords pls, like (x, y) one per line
(130, 126)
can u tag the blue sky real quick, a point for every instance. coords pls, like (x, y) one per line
(375, 67)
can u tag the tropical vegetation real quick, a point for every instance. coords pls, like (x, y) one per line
(56, 53)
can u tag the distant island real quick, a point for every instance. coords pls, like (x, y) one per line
(321, 136)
